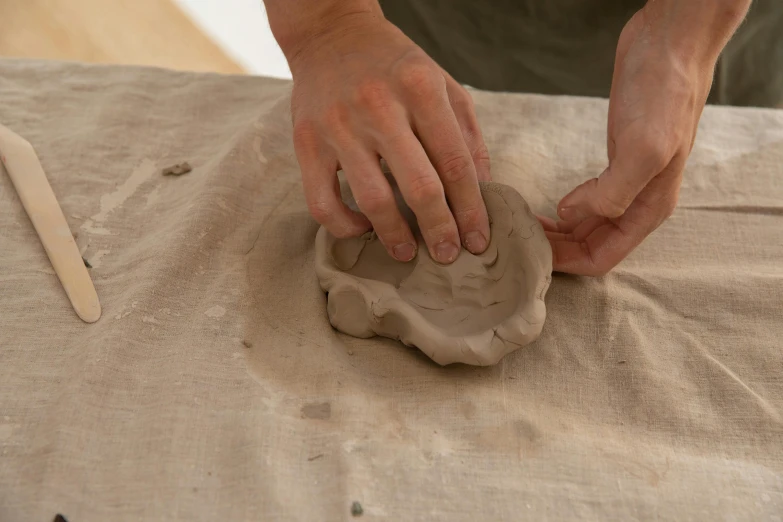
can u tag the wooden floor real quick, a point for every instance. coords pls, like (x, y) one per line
(138, 32)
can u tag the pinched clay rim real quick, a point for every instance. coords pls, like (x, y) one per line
(386, 314)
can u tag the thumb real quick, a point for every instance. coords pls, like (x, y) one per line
(610, 194)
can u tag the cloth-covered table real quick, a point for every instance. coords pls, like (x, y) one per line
(214, 388)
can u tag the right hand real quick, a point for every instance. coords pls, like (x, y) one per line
(364, 91)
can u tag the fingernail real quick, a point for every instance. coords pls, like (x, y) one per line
(475, 242)
(404, 252)
(446, 252)
(571, 214)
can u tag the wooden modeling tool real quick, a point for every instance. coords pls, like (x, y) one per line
(38, 199)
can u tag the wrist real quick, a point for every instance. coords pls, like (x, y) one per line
(296, 24)
(696, 30)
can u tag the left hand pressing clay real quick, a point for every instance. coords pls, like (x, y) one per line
(474, 311)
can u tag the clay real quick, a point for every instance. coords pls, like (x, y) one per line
(177, 170)
(474, 311)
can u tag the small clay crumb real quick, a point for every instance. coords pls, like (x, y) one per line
(356, 509)
(75, 236)
(621, 362)
(87, 263)
(177, 170)
(209, 473)
(247, 343)
(316, 457)
(59, 518)
(350, 352)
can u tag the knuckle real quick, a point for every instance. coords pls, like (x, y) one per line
(480, 154)
(596, 266)
(666, 208)
(670, 209)
(469, 217)
(397, 233)
(336, 116)
(441, 231)
(341, 231)
(373, 94)
(669, 206)
(306, 134)
(420, 78)
(375, 202)
(656, 152)
(320, 210)
(612, 206)
(425, 191)
(462, 100)
(454, 168)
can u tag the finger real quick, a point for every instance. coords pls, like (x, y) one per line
(444, 143)
(558, 236)
(462, 104)
(581, 226)
(596, 245)
(549, 224)
(580, 229)
(322, 189)
(598, 253)
(375, 199)
(423, 192)
(635, 164)
(576, 230)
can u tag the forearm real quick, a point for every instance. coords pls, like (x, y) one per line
(695, 29)
(296, 22)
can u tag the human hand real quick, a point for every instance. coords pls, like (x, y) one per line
(364, 91)
(661, 81)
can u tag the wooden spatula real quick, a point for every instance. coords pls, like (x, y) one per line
(39, 201)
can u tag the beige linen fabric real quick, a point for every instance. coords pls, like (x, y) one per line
(654, 393)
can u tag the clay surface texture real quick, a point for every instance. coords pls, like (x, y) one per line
(474, 311)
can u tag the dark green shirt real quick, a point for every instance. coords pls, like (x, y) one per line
(568, 46)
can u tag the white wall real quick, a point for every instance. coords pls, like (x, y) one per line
(241, 29)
